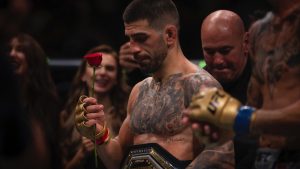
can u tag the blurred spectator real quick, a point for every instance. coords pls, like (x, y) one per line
(15, 131)
(110, 91)
(38, 96)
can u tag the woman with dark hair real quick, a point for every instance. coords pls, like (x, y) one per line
(110, 90)
(38, 95)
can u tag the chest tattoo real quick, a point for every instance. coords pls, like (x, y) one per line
(158, 107)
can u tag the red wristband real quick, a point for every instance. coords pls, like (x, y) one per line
(104, 138)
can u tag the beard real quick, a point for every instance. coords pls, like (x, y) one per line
(156, 60)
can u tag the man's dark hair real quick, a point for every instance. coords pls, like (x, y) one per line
(157, 12)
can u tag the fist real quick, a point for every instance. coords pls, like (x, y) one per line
(81, 119)
(214, 106)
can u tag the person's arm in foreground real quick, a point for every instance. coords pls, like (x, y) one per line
(219, 108)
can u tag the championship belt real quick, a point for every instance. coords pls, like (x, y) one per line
(151, 156)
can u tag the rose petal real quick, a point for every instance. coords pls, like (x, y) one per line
(94, 59)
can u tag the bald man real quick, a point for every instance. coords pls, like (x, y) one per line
(224, 44)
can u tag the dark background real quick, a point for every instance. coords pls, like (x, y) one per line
(66, 29)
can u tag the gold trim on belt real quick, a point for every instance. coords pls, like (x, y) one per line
(146, 158)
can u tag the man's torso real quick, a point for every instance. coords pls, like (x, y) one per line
(277, 69)
(158, 109)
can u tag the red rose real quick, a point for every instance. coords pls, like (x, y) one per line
(94, 59)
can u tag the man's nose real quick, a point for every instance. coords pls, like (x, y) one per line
(218, 59)
(135, 48)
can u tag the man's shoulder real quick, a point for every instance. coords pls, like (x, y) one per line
(146, 80)
(199, 74)
(202, 77)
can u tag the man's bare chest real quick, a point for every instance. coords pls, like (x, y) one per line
(158, 109)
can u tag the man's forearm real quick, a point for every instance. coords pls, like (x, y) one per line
(111, 154)
(284, 121)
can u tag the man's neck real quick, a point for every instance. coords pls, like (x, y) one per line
(174, 63)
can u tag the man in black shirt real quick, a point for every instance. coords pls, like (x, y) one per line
(224, 44)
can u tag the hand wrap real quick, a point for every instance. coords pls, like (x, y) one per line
(88, 131)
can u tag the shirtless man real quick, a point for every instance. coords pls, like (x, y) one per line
(273, 91)
(156, 104)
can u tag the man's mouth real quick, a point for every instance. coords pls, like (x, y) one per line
(222, 70)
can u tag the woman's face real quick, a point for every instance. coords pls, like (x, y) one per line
(106, 75)
(18, 57)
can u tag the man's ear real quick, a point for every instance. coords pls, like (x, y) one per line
(170, 34)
